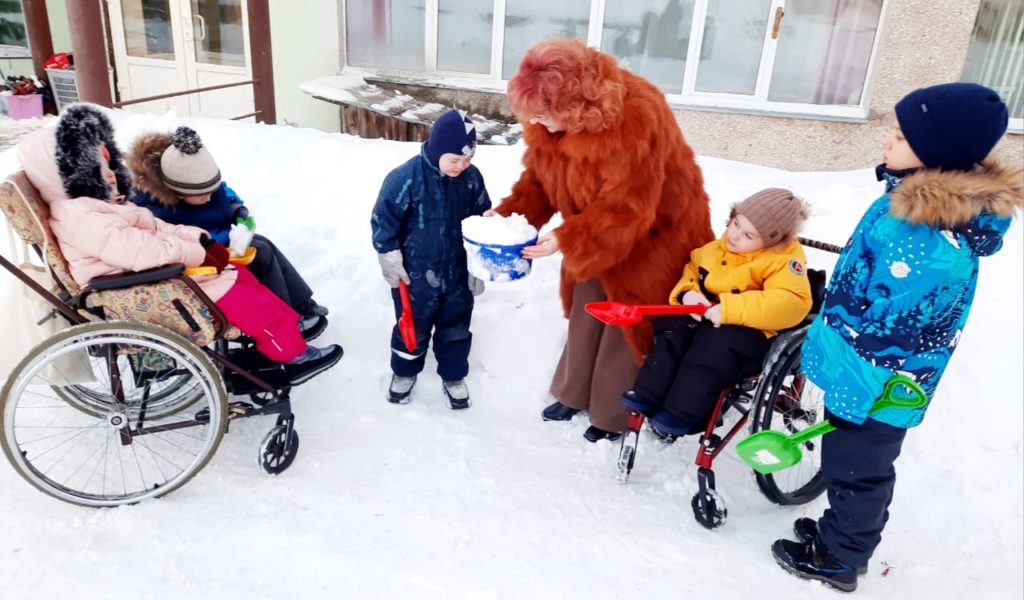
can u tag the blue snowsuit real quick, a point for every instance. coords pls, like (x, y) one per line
(216, 216)
(271, 267)
(897, 303)
(420, 211)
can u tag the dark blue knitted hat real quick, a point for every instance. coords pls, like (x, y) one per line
(453, 132)
(953, 125)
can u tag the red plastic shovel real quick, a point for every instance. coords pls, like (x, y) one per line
(617, 313)
(405, 325)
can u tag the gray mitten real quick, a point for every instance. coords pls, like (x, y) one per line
(392, 267)
(476, 285)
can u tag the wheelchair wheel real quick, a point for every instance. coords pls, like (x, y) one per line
(278, 450)
(786, 401)
(170, 393)
(118, 452)
(709, 509)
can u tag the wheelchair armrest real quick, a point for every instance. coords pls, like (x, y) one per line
(123, 280)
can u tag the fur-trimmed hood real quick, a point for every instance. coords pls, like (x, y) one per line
(144, 162)
(962, 201)
(81, 129)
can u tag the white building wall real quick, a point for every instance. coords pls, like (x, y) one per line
(305, 39)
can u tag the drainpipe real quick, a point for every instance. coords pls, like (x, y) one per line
(90, 51)
(262, 61)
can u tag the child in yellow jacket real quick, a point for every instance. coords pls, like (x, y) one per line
(753, 280)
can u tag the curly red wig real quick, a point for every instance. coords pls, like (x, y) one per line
(576, 85)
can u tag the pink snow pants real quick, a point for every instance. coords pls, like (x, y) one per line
(264, 317)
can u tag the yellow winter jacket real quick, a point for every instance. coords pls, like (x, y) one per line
(766, 289)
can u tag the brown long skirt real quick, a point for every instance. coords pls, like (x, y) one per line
(597, 364)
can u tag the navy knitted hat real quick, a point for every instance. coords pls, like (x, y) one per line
(453, 132)
(953, 125)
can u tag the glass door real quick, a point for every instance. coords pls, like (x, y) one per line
(219, 32)
(166, 46)
(216, 37)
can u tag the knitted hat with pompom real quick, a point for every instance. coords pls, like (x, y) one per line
(187, 167)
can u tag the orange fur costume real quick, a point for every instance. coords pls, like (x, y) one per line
(626, 183)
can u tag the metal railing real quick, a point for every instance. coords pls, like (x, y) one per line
(209, 88)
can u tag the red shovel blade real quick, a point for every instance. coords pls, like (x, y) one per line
(617, 313)
(406, 327)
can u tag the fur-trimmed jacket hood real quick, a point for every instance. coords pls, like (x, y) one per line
(82, 128)
(144, 162)
(962, 202)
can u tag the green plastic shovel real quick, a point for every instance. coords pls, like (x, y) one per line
(771, 451)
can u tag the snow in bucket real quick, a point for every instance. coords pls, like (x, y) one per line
(494, 246)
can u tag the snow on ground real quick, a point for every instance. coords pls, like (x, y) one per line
(418, 501)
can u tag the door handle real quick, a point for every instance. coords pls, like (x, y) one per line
(202, 27)
(778, 22)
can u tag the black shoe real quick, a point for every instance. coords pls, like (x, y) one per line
(312, 309)
(806, 529)
(400, 390)
(458, 394)
(311, 363)
(312, 327)
(596, 434)
(557, 411)
(812, 560)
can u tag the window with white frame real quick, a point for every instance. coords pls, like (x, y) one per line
(793, 56)
(995, 57)
(13, 35)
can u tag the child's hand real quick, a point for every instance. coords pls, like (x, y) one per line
(695, 297)
(216, 256)
(392, 267)
(545, 246)
(714, 314)
(490, 212)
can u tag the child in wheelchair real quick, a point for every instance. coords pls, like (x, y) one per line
(77, 169)
(754, 282)
(178, 180)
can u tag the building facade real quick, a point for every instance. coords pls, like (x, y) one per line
(797, 84)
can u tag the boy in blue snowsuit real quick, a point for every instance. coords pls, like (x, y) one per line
(897, 303)
(417, 232)
(178, 180)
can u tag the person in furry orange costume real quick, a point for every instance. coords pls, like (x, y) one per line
(605, 151)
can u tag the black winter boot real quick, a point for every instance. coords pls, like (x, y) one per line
(813, 560)
(806, 529)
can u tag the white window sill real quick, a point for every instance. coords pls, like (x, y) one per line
(724, 104)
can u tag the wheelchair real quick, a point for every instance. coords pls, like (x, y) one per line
(780, 398)
(132, 400)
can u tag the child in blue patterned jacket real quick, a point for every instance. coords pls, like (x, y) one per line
(897, 303)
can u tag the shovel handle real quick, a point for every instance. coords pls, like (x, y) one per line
(403, 291)
(885, 401)
(671, 309)
(890, 400)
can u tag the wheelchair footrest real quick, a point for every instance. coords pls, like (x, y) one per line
(256, 364)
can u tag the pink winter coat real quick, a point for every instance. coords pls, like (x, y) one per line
(101, 238)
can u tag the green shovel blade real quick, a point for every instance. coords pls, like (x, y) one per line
(770, 451)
